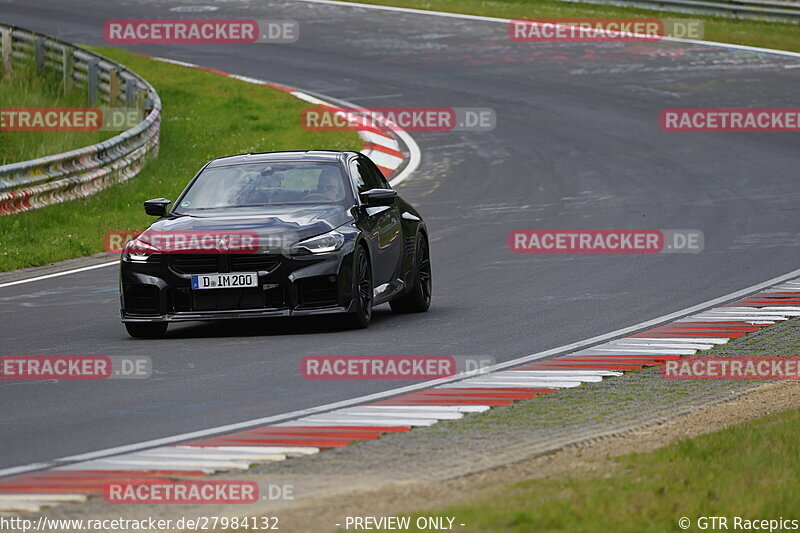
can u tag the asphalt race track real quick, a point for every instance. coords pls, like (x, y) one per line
(577, 145)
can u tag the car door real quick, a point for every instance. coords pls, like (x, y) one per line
(382, 223)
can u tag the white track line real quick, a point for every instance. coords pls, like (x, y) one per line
(752, 311)
(200, 453)
(513, 376)
(43, 497)
(777, 308)
(409, 411)
(24, 468)
(631, 354)
(781, 310)
(563, 373)
(506, 21)
(414, 158)
(285, 450)
(57, 274)
(304, 422)
(615, 349)
(156, 463)
(19, 507)
(697, 318)
(656, 344)
(423, 408)
(334, 420)
(510, 384)
(106, 465)
(675, 339)
(738, 318)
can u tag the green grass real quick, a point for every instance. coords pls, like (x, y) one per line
(24, 87)
(781, 36)
(205, 116)
(749, 470)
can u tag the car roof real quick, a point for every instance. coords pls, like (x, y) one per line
(268, 157)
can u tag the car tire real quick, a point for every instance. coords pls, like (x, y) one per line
(361, 315)
(418, 299)
(146, 330)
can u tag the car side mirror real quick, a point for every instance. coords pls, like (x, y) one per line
(156, 207)
(378, 197)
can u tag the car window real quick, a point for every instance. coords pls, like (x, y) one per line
(381, 180)
(358, 180)
(366, 175)
(260, 184)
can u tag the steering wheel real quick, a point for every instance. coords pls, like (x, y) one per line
(314, 196)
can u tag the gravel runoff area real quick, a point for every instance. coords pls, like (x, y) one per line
(398, 472)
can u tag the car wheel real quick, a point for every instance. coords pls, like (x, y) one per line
(418, 299)
(361, 315)
(146, 330)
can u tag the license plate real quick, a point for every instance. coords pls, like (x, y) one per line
(224, 281)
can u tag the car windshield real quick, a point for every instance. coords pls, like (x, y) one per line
(263, 184)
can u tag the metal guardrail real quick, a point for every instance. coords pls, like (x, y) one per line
(764, 10)
(78, 173)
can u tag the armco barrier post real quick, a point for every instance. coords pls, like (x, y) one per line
(113, 88)
(130, 92)
(68, 66)
(92, 80)
(39, 46)
(5, 40)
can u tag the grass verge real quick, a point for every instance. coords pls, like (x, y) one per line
(24, 87)
(205, 116)
(780, 36)
(746, 471)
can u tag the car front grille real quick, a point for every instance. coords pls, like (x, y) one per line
(182, 299)
(195, 263)
(206, 264)
(253, 263)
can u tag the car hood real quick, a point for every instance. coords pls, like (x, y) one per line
(275, 226)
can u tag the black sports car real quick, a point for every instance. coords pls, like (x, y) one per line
(277, 234)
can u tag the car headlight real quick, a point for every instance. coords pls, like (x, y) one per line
(138, 251)
(321, 244)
